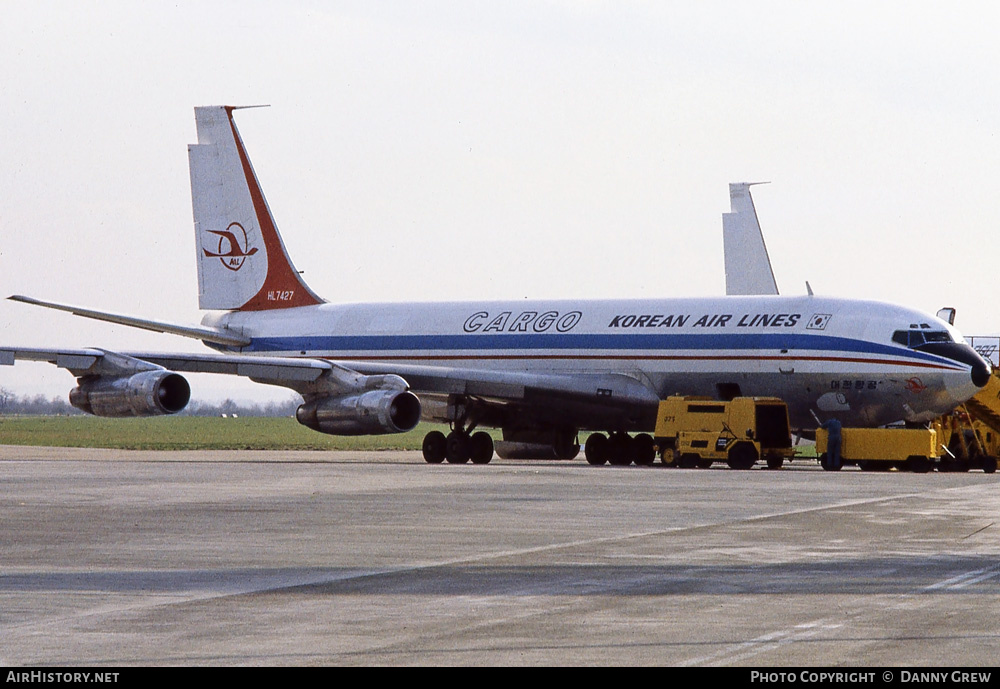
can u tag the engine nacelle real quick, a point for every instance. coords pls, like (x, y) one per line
(369, 413)
(149, 393)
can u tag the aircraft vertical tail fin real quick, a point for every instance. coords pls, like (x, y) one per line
(242, 261)
(748, 267)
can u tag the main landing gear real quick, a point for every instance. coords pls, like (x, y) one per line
(458, 447)
(620, 449)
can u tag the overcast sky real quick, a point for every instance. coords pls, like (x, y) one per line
(497, 150)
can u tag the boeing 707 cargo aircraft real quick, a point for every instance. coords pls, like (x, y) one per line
(543, 371)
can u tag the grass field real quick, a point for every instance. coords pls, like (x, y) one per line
(204, 433)
(192, 433)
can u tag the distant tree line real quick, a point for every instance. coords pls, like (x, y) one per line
(40, 405)
(232, 408)
(37, 405)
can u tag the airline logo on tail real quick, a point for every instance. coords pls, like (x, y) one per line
(234, 226)
(234, 247)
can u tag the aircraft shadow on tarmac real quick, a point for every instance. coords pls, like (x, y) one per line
(868, 576)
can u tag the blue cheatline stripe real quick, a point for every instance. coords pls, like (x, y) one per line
(712, 345)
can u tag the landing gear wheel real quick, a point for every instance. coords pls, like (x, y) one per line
(621, 449)
(596, 449)
(457, 448)
(566, 446)
(434, 447)
(481, 448)
(645, 449)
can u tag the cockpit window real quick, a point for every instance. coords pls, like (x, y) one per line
(915, 338)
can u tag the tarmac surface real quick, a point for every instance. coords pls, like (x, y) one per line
(115, 558)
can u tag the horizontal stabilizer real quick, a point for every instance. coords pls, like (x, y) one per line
(215, 335)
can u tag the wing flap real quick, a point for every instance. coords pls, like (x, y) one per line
(8, 355)
(76, 362)
(276, 368)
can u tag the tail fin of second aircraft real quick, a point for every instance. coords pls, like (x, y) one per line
(748, 267)
(242, 262)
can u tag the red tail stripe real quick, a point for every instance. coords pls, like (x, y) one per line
(282, 288)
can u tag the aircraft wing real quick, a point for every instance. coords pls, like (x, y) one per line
(617, 398)
(302, 375)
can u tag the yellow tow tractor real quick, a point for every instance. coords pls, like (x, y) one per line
(698, 431)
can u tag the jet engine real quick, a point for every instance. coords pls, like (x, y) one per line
(148, 393)
(369, 413)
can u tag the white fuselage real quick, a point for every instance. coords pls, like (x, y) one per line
(827, 358)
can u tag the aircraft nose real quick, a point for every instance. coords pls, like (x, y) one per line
(979, 368)
(980, 374)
